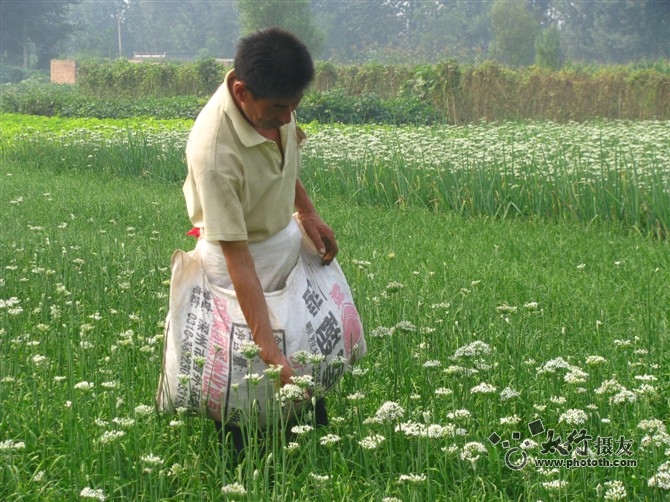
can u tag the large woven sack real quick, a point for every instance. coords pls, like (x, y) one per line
(314, 319)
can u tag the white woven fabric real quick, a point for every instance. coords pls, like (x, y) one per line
(274, 259)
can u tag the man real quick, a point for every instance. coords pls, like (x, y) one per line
(243, 184)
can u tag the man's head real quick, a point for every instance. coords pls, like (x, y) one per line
(274, 64)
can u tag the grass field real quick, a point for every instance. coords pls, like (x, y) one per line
(579, 173)
(475, 325)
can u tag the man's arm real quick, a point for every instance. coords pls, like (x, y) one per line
(321, 234)
(250, 295)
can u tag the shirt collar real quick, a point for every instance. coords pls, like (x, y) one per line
(245, 131)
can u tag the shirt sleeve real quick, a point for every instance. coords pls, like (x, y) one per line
(214, 187)
(220, 199)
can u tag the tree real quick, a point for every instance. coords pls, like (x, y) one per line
(294, 16)
(614, 31)
(452, 29)
(617, 26)
(184, 29)
(656, 32)
(100, 28)
(37, 28)
(359, 30)
(543, 11)
(548, 49)
(514, 30)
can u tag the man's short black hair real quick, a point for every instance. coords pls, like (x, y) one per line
(273, 63)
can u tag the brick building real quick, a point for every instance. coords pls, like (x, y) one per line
(63, 71)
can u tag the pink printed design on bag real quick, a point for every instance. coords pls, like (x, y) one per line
(351, 321)
(353, 329)
(215, 374)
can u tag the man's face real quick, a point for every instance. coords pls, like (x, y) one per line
(266, 113)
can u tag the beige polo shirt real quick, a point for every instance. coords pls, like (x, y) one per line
(237, 187)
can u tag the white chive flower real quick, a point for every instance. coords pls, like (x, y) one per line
(483, 388)
(371, 442)
(662, 477)
(412, 478)
(249, 349)
(389, 412)
(234, 490)
(508, 393)
(574, 417)
(615, 490)
(301, 429)
(329, 439)
(472, 451)
(11, 445)
(92, 493)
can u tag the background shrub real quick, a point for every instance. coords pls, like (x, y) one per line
(65, 101)
(125, 79)
(371, 93)
(330, 106)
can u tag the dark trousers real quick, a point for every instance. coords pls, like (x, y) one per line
(231, 435)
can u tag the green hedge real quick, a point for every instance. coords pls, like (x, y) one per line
(125, 79)
(329, 106)
(10, 74)
(491, 92)
(371, 93)
(67, 101)
(338, 106)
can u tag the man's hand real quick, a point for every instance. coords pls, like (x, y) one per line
(250, 295)
(321, 235)
(277, 358)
